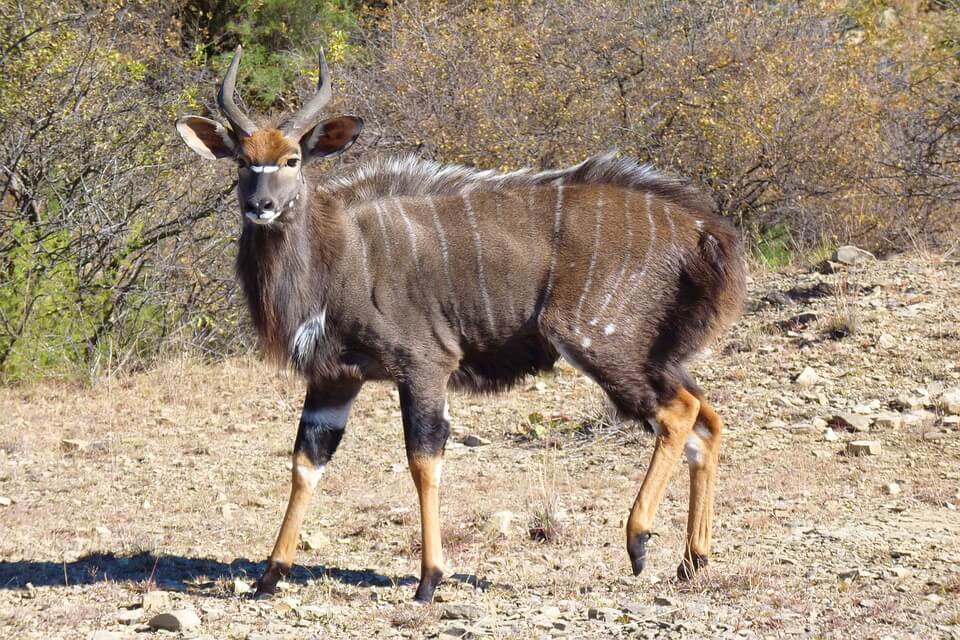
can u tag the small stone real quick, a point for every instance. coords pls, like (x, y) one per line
(239, 586)
(818, 423)
(501, 523)
(314, 612)
(867, 407)
(155, 600)
(312, 541)
(549, 612)
(807, 378)
(848, 574)
(886, 341)
(934, 436)
(73, 444)
(891, 488)
(129, 616)
(474, 441)
(5, 501)
(863, 448)
(286, 605)
(103, 532)
(950, 421)
(662, 601)
(851, 255)
(454, 631)
(888, 420)
(851, 422)
(950, 401)
(539, 386)
(180, 620)
(102, 634)
(830, 435)
(607, 614)
(919, 418)
(460, 611)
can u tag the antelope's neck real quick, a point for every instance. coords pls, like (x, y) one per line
(285, 271)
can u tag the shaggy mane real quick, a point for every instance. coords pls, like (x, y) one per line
(412, 176)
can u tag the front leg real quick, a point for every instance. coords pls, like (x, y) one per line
(425, 429)
(322, 423)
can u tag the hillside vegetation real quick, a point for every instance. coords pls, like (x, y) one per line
(809, 123)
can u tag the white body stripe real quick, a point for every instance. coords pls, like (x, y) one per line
(637, 276)
(411, 232)
(624, 263)
(444, 253)
(593, 265)
(383, 229)
(554, 255)
(481, 280)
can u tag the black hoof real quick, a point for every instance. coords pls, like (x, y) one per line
(267, 584)
(428, 584)
(637, 548)
(689, 566)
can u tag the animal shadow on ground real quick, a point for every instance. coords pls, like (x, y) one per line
(180, 573)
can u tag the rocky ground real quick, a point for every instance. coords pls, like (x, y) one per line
(151, 501)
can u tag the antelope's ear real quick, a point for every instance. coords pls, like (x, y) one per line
(208, 138)
(331, 137)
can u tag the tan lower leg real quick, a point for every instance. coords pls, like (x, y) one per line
(676, 421)
(702, 479)
(305, 477)
(426, 473)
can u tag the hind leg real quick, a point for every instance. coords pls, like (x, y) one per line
(703, 453)
(676, 419)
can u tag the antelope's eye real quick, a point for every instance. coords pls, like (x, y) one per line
(292, 162)
(242, 163)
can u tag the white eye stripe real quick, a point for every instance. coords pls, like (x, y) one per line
(264, 168)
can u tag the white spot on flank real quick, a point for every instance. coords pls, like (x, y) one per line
(307, 337)
(310, 475)
(586, 342)
(609, 329)
(698, 224)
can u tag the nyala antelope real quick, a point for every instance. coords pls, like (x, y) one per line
(436, 276)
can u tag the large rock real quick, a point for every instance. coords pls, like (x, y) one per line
(863, 448)
(851, 422)
(180, 620)
(851, 255)
(460, 611)
(950, 401)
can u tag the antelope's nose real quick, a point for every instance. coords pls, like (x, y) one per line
(261, 206)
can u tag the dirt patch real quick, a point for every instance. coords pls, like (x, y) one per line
(175, 480)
